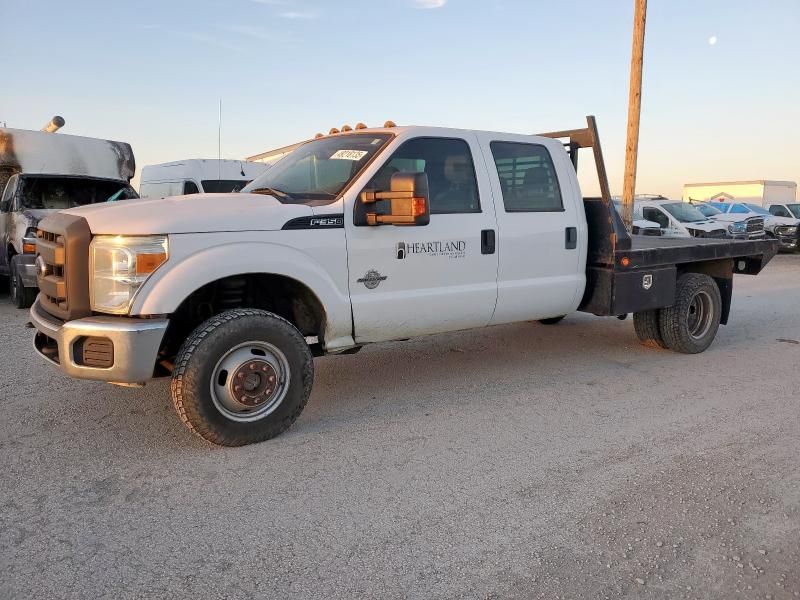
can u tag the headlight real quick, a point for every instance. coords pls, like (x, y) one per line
(740, 227)
(119, 265)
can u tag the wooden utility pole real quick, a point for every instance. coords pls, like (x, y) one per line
(634, 110)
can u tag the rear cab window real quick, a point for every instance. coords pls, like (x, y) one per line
(528, 178)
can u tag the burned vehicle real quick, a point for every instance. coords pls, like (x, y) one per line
(42, 173)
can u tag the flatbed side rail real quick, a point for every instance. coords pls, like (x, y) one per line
(607, 233)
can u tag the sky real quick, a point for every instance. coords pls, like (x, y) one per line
(720, 99)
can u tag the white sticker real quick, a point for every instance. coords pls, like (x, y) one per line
(349, 155)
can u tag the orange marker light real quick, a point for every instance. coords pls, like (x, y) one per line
(28, 248)
(147, 263)
(418, 207)
(625, 261)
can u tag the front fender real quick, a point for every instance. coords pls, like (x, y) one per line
(193, 265)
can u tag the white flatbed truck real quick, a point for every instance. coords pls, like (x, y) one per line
(354, 238)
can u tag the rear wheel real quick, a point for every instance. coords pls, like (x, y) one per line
(243, 376)
(20, 296)
(690, 325)
(552, 320)
(647, 328)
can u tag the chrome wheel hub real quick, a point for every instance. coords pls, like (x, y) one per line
(250, 381)
(701, 312)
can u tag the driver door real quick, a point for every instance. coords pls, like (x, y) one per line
(414, 280)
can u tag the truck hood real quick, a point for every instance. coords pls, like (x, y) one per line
(773, 221)
(704, 225)
(195, 213)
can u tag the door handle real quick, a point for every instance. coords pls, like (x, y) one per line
(487, 241)
(571, 238)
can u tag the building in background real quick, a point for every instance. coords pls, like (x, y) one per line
(761, 192)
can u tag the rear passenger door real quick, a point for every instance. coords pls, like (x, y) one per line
(541, 228)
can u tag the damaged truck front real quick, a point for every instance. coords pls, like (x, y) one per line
(42, 173)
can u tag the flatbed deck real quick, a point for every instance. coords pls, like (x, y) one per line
(647, 251)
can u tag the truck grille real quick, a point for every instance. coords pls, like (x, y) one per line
(755, 225)
(716, 233)
(62, 248)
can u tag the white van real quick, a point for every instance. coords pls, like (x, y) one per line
(196, 176)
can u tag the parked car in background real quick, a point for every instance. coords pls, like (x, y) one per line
(791, 211)
(44, 173)
(740, 227)
(197, 176)
(783, 229)
(680, 219)
(640, 225)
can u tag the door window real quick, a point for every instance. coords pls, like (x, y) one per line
(8, 194)
(452, 185)
(527, 177)
(779, 211)
(190, 187)
(653, 214)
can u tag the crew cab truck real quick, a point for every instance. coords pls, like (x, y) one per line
(365, 236)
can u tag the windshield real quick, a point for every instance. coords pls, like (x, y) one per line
(637, 210)
(759, 210)
(794, 209)
(59, 193)
(223, 186)
(320, 169)
(707, 210)
(683, 212)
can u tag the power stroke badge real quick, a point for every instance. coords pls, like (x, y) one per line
(372, 279)
(446, 248)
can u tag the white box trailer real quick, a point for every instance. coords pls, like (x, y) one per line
(762, 192)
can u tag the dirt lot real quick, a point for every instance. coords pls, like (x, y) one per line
(520, 461)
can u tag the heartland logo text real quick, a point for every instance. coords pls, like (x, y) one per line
(450, 249)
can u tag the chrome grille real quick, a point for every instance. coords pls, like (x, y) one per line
(62, 248)
(755, 224)
(51, 267)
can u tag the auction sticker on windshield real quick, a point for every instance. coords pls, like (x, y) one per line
(349, 155)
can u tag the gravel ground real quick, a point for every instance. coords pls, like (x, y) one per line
(519, 461)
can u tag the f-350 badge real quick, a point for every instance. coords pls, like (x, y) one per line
(647, 281)
(372, 279)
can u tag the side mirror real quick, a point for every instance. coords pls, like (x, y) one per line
(408, 202)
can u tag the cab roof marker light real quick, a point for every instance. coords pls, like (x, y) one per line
(389, 124)
(333, 131)
(346, 128)
(360, 125)
(319, 135)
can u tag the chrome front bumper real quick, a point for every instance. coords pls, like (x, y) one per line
(135, 345)
(27, 269)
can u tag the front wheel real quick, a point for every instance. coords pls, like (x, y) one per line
(690, 325)
(243, 376)
(552, 320)
(20, 296)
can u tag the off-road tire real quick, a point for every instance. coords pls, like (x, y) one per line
(199, 355)
(674, 320)
(552, 320)
(647, 328)
(20, 296)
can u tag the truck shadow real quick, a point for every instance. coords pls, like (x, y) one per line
(442, 374)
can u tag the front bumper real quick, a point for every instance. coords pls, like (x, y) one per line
(26, 267)
(134, 345)
(787, 242)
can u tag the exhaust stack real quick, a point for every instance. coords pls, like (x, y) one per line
(54, 124)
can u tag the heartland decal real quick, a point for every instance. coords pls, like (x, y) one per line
(446, 248)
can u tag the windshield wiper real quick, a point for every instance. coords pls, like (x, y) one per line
(268, 191)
